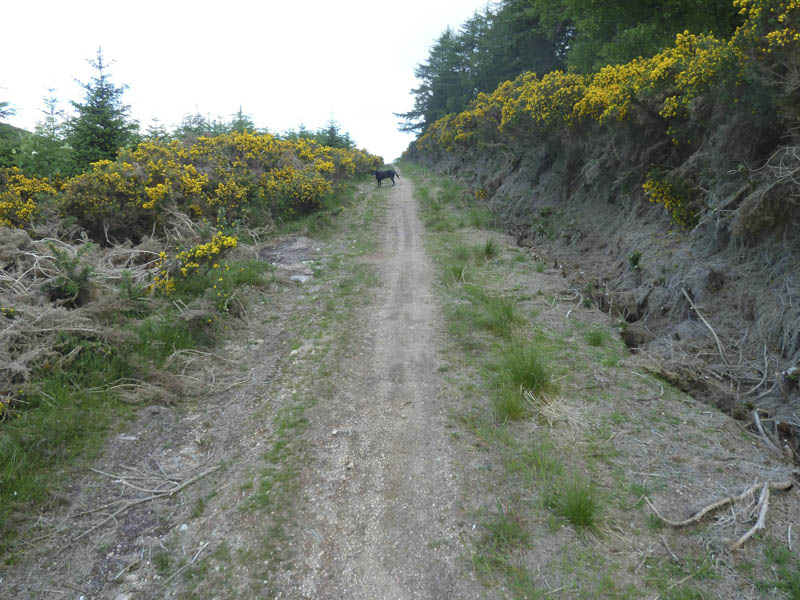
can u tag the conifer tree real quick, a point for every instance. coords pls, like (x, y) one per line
(45, 153)
(241, 122)
(6, 110)
(102, 125)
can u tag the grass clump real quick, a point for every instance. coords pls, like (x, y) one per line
(496, 314)
(479, 217)
(490, 249)
(577, 501)
(509, 405)
(523, 365)
(595, 337)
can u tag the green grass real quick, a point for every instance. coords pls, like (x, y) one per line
(450, 192)
(785, 569)
(522, 365)
(457, 272)
(490, 249)
(595, 337)
(58, 418)
(575, 500)
(479, 217)
(664, 575)
(537, 461)
(504, 533)
(509, 405)
(493, 313)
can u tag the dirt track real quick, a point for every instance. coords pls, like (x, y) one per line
(372, 511)
(320, 456)
(379, 520)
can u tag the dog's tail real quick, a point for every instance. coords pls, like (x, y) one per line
(398, 174)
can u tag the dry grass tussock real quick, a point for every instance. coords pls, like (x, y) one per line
(52, 289)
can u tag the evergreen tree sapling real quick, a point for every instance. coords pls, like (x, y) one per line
(102, 125)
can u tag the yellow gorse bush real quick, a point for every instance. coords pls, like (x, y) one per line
(670, 80)
(19, 196)
(663, 192)
(234, 173)
(187, 263)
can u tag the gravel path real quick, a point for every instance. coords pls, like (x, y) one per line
(380, 517)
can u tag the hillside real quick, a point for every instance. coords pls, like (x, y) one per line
(665, 190)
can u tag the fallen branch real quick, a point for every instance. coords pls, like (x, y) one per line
(126, 504)
(763, 503)
(761, 507)
(707, 324)
(764, 435)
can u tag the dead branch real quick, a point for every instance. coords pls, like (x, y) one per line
(764, 435)
(761, 507)
(127, 504)
(707, 324)
(763, 503)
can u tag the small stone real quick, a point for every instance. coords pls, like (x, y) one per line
(183, 528)
(349, 466)
(131, 578)
(334, 432)
(123, 596)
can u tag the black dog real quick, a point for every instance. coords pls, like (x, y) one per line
(387, 174)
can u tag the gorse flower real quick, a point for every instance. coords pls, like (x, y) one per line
(674, 77)
(19, 197)
(239, 172)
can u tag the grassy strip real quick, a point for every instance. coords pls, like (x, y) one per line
(515, 359)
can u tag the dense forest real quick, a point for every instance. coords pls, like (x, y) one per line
(652, 148)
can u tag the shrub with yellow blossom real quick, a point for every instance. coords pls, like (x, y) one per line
(680, 93)
(20, 197)
(240, 173)
(292, 192)
(663, 192)
(189, 268)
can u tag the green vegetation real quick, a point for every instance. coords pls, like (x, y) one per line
(102, 124)
(785, 569)
(577, 501)
(549, 406)
(595, 337)
(689, 76)
(537, 36)
(94, 325)
(523, 366)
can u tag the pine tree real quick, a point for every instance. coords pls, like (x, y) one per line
(103, 124)
(6, 110)
(241, 122)
(45, 153)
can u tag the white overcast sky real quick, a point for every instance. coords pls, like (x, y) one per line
(285, 63)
